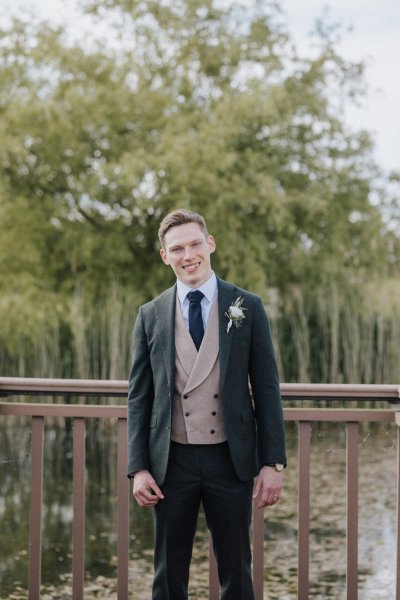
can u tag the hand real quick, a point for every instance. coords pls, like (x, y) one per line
(145, 490)
(267, 487)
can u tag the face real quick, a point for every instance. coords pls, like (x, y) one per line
(188, 251)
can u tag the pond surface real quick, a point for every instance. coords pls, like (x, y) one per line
(377, 516)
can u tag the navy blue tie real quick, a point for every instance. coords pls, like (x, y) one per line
(196, 326)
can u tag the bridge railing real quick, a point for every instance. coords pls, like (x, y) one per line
(305, 417)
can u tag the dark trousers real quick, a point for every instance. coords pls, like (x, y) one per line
(202, 473)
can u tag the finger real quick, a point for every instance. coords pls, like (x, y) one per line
(156, 490)
(149, 495)
(274, 499)
(146, 504)
(263, 504)
(265, 497)
(146, 500)
(269, 499)
(147, 487)
(263, 500)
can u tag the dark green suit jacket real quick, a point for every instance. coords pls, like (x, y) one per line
(253, 421)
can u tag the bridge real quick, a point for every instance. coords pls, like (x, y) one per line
(303, 416)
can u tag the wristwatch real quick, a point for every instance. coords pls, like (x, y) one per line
(276, 466)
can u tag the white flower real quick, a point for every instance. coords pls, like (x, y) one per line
(235, 314)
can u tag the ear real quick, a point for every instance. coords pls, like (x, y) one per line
(211, 244)
(164, 256)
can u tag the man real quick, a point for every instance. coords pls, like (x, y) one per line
(197, 433)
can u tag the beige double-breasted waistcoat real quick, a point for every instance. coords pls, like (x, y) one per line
(197, 412)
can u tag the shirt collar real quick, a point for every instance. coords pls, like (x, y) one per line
(208, 288)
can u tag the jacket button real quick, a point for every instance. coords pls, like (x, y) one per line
(185, 396)
(215, 395)
(213, 413)
(212, 431)
(187, 414)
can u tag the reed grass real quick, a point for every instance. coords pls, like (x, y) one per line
(335, 336)
(329, 336)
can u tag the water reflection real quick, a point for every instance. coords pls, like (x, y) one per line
(377, 514)
(377, 517)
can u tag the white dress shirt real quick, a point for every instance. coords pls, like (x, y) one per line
(209, 288)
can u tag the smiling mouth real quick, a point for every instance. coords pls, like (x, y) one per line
(190, 268)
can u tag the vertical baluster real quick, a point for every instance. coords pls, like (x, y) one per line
(398, 511)
(258, 551)
(35, 510)
(352, 511)
(78, 529)
(123, 511)
(304, 509)
(212, 573)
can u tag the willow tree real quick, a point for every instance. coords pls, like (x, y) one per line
(201, 104)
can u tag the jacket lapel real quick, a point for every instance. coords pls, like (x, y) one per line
(165, 313)
(227, 294)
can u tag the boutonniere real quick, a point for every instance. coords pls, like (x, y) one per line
(235, 314)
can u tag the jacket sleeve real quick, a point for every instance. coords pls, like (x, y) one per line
(264, 381)
(140, 399)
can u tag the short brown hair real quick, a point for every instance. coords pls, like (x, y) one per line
(181, 216)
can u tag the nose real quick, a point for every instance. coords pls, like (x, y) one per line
(188, 253)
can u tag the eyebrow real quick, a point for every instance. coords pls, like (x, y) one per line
(176, 246)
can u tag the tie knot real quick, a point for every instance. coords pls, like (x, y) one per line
(195, 296)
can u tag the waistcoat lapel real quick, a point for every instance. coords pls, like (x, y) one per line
(197, 365)
(184, 345)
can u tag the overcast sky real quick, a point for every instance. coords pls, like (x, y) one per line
(375, 37)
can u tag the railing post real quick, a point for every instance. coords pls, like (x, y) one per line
(258, 551)
(398, 509)
(352, 511)
(123, 512)
(213, 579)
(304, 510)
(78, 528)
(35, 510)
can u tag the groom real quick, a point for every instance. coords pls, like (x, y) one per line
(204, 413)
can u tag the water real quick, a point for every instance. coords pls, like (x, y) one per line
(377, 515)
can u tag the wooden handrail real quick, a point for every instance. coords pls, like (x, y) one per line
(337, 415)
(119, 387)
